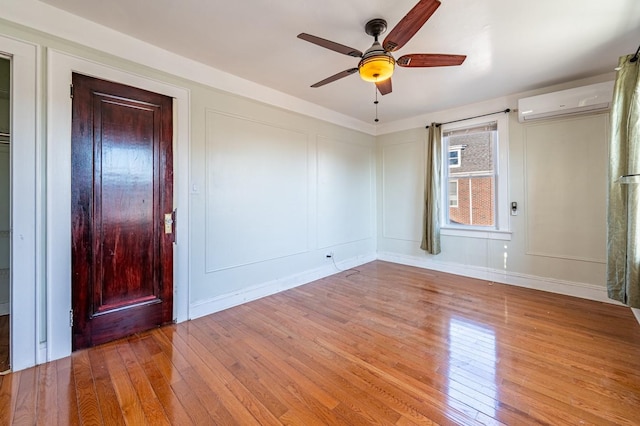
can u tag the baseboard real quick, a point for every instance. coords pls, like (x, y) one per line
(4, 308)
(220, 303)
(569, 288)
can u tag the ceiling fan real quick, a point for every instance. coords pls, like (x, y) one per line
(377, 64)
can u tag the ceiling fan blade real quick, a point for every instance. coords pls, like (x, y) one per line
(410, 24)
(331, 45)
(416, 60)
(384, 87)
(335, 77)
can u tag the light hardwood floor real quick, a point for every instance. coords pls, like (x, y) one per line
(388, 345)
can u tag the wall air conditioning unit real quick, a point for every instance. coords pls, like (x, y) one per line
(595, 97)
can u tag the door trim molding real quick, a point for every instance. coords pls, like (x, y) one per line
(58, 188)
(25, 208)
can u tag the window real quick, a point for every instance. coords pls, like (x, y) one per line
(474, 179)
(454, 156)
(453, 193)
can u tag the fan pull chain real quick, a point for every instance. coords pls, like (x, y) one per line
(376, 103)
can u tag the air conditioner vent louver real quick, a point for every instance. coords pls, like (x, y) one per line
(580, 100)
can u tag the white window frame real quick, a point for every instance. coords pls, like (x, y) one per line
(501, 230)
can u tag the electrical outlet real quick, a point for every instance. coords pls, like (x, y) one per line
(329, 255)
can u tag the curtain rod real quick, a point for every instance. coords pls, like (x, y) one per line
(635, 57)
(469, 118)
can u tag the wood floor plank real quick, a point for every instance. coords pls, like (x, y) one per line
(389, 344)
(171, 404)
(374, 412)
(131, 406)
(9, 385)
(47, 412)
(151, 406)
(352, 343)
(106, 394)
(210, 385)
(248, 380)
(336, 368)
(292, 394)
(197, 412)
(67, 393)
(88, 407)
(27, 397)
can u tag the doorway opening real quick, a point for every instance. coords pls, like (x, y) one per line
(5, 209)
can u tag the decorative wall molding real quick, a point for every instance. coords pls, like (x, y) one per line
(578, 160)
(276, 187)
(220, 303)
(566, 257)
(400, 163)
(342, 169)
(552, 285)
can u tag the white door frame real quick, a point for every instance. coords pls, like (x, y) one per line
(26, 225)
(60, 66)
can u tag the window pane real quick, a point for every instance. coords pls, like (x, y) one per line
(471, 176)
(454, 157)
(453, 193)
(474, 202)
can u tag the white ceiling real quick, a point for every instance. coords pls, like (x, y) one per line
(511, 45)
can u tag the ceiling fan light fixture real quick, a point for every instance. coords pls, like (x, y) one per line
(377, 63)
(376, 68)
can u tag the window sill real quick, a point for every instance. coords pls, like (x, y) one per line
(489, 234)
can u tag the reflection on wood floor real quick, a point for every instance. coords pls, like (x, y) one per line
(388, 345)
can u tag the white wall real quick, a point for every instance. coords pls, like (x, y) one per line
(272, 193)
(5, 164)
(557, 175)
(5, 195)
(269, 191)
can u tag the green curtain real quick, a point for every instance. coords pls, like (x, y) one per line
(432, 189)
(623, 220)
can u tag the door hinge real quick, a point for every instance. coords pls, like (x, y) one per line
(71, 90)
(71, 318)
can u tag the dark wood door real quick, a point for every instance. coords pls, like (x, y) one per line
(121, 186)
